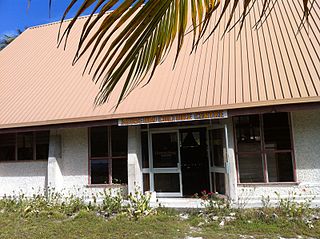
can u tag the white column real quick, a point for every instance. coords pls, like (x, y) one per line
(134, 159)
(232, 175)
(55, 178)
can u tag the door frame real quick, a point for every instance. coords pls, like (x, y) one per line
(214, 169)
(175, 170)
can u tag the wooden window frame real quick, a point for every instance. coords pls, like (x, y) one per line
(263, 152)
(34, 149)
(108, 158)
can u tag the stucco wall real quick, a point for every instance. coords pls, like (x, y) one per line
(32, 177)
(306, 137)
(74, 163)
(22, 177)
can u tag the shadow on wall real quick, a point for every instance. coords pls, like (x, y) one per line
(24, 169)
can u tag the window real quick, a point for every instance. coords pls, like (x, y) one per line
(264, 148)
(24, 146)
(108, 155)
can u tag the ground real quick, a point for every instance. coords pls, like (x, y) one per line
(166, 224)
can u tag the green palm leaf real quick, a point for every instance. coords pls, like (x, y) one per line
(134, 39)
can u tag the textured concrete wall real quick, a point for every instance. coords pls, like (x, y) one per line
(67, 173)
(306, 136)
(24, 177)
(134, 159)
(74, 164)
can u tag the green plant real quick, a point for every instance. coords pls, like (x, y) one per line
(215, 204)
(47, 203)
(139, 204)
(291, 208)
(112, 204)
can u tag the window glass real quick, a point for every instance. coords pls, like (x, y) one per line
(7, 147)
(99, 171)
(145, 151)
(166, 182)
(108, 159)
(25, 146)
(219, 179)
(42, 145)
(165, 150)
(280, 167)
(250, 168)
(217, 143)
(119, 139)
(119, 171)
(99, 142)
(276, 131)
(248, 133)
(146, 182)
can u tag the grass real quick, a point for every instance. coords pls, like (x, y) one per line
(166, 224)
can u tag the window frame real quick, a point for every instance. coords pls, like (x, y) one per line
(34, 147)
(263, 152)
(107, 158)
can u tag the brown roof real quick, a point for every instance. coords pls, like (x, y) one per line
(270, 66)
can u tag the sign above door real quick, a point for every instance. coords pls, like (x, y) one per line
(219, 114)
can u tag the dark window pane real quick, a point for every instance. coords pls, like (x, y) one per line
(166, 182)
(25, 146)
(146, 182)
(248, 133)
(276, 131)
(250, 168)
(99, 172)
(280, 167)
(165, 150)
(7, 147)
(42, 145)
(119, 171)
(145, 151)
(217, 144)
(190, 139)
(99, 141)
(119, 139)
(220, 183)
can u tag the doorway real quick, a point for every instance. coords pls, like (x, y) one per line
(194, 161)
(183, 162)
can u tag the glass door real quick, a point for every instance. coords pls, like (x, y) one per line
(165, 175)
(219, 166)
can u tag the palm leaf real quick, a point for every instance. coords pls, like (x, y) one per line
(134, 38)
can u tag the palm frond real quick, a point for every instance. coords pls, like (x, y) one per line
(133, 39)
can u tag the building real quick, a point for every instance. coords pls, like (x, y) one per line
(239, 117)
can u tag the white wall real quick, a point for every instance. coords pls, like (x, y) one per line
(74, 164)
(31, 177)
(24, 177)
(71, 168)
(306, 137)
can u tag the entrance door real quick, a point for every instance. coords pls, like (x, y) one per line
(194, 161)
(218, 159)
(166, 164)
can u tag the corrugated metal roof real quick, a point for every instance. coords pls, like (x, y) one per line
(270, 66)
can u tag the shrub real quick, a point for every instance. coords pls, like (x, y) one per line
(139, 204)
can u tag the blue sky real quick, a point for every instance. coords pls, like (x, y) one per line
(14, 14)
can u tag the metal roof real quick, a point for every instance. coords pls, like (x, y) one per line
(273, 65)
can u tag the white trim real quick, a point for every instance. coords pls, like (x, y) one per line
(173, 170)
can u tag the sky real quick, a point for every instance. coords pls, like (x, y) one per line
(15, 14)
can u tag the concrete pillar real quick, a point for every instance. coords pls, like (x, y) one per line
(232, 175)
(134, 159)
(55, 178)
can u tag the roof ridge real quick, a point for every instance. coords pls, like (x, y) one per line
(69, 19)
(58, 22)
